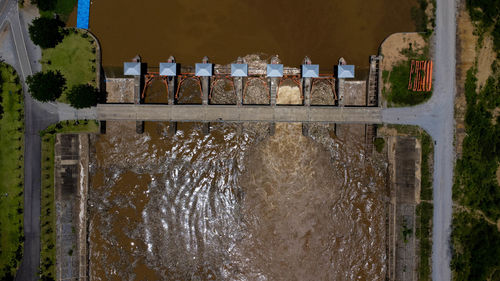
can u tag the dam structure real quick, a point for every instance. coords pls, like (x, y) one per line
(350, 101)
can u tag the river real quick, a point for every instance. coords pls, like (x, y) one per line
(236, 204)
(324, 30)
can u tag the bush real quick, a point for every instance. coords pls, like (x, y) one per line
(379, 144)
(82, 96)
(46, 32)
(477, 256)
(46, 86)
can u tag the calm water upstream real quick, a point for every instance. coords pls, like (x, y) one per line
(236, 204)
(225, 29)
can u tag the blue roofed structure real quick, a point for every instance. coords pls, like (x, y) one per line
(346, 71)
(239, 69)
(203, 69)
(168, 69)
(274, 70)
(131, 68)
(82, 17)
(310, 70)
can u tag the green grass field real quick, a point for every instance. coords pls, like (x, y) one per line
(48, 215)
(75, 58)
(11, 171)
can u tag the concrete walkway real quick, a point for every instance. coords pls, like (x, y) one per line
(437, 118)
(233, 113)
(37, 117)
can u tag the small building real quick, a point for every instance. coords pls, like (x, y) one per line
(131, 68)
(274, 70)
(204, 69)
(310, 70)
(239, 69)
(345, 71)
(168, 69)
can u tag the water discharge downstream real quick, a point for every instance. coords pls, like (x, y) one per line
(236, 204)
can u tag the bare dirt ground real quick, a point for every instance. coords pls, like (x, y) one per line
(393, 45)
(485, 57)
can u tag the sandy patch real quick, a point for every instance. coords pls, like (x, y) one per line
(393, 45)
(289, 95)
(485, 57)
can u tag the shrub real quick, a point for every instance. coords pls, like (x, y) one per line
(379, 144)
(82, 96)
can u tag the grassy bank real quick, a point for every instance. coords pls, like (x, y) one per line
(75, 58)
(48, 218)
(11, 171)
(425, 208)
(475, 236)
(397, 94)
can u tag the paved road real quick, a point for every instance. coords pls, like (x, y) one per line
(436, 117)
(37, 117)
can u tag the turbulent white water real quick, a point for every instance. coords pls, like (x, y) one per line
(236, 204)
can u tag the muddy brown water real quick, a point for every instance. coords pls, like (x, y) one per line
(225, 29)
(237, 204)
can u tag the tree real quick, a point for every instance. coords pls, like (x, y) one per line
(83, 95)
(45, 5)
(46, 86)
(46, 32)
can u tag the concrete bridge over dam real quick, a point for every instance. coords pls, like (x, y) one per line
(234, 113)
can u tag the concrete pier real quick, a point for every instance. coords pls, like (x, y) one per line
(172, 129)
(205, 88)
(205, 128)
(238, 86)
(139, 127)
(137, 88)
(306, 88)
(273, 89)
(172, 83)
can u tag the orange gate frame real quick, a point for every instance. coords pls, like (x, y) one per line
(148, 80)
(330, 79)
(220, 77)
(185, 76)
